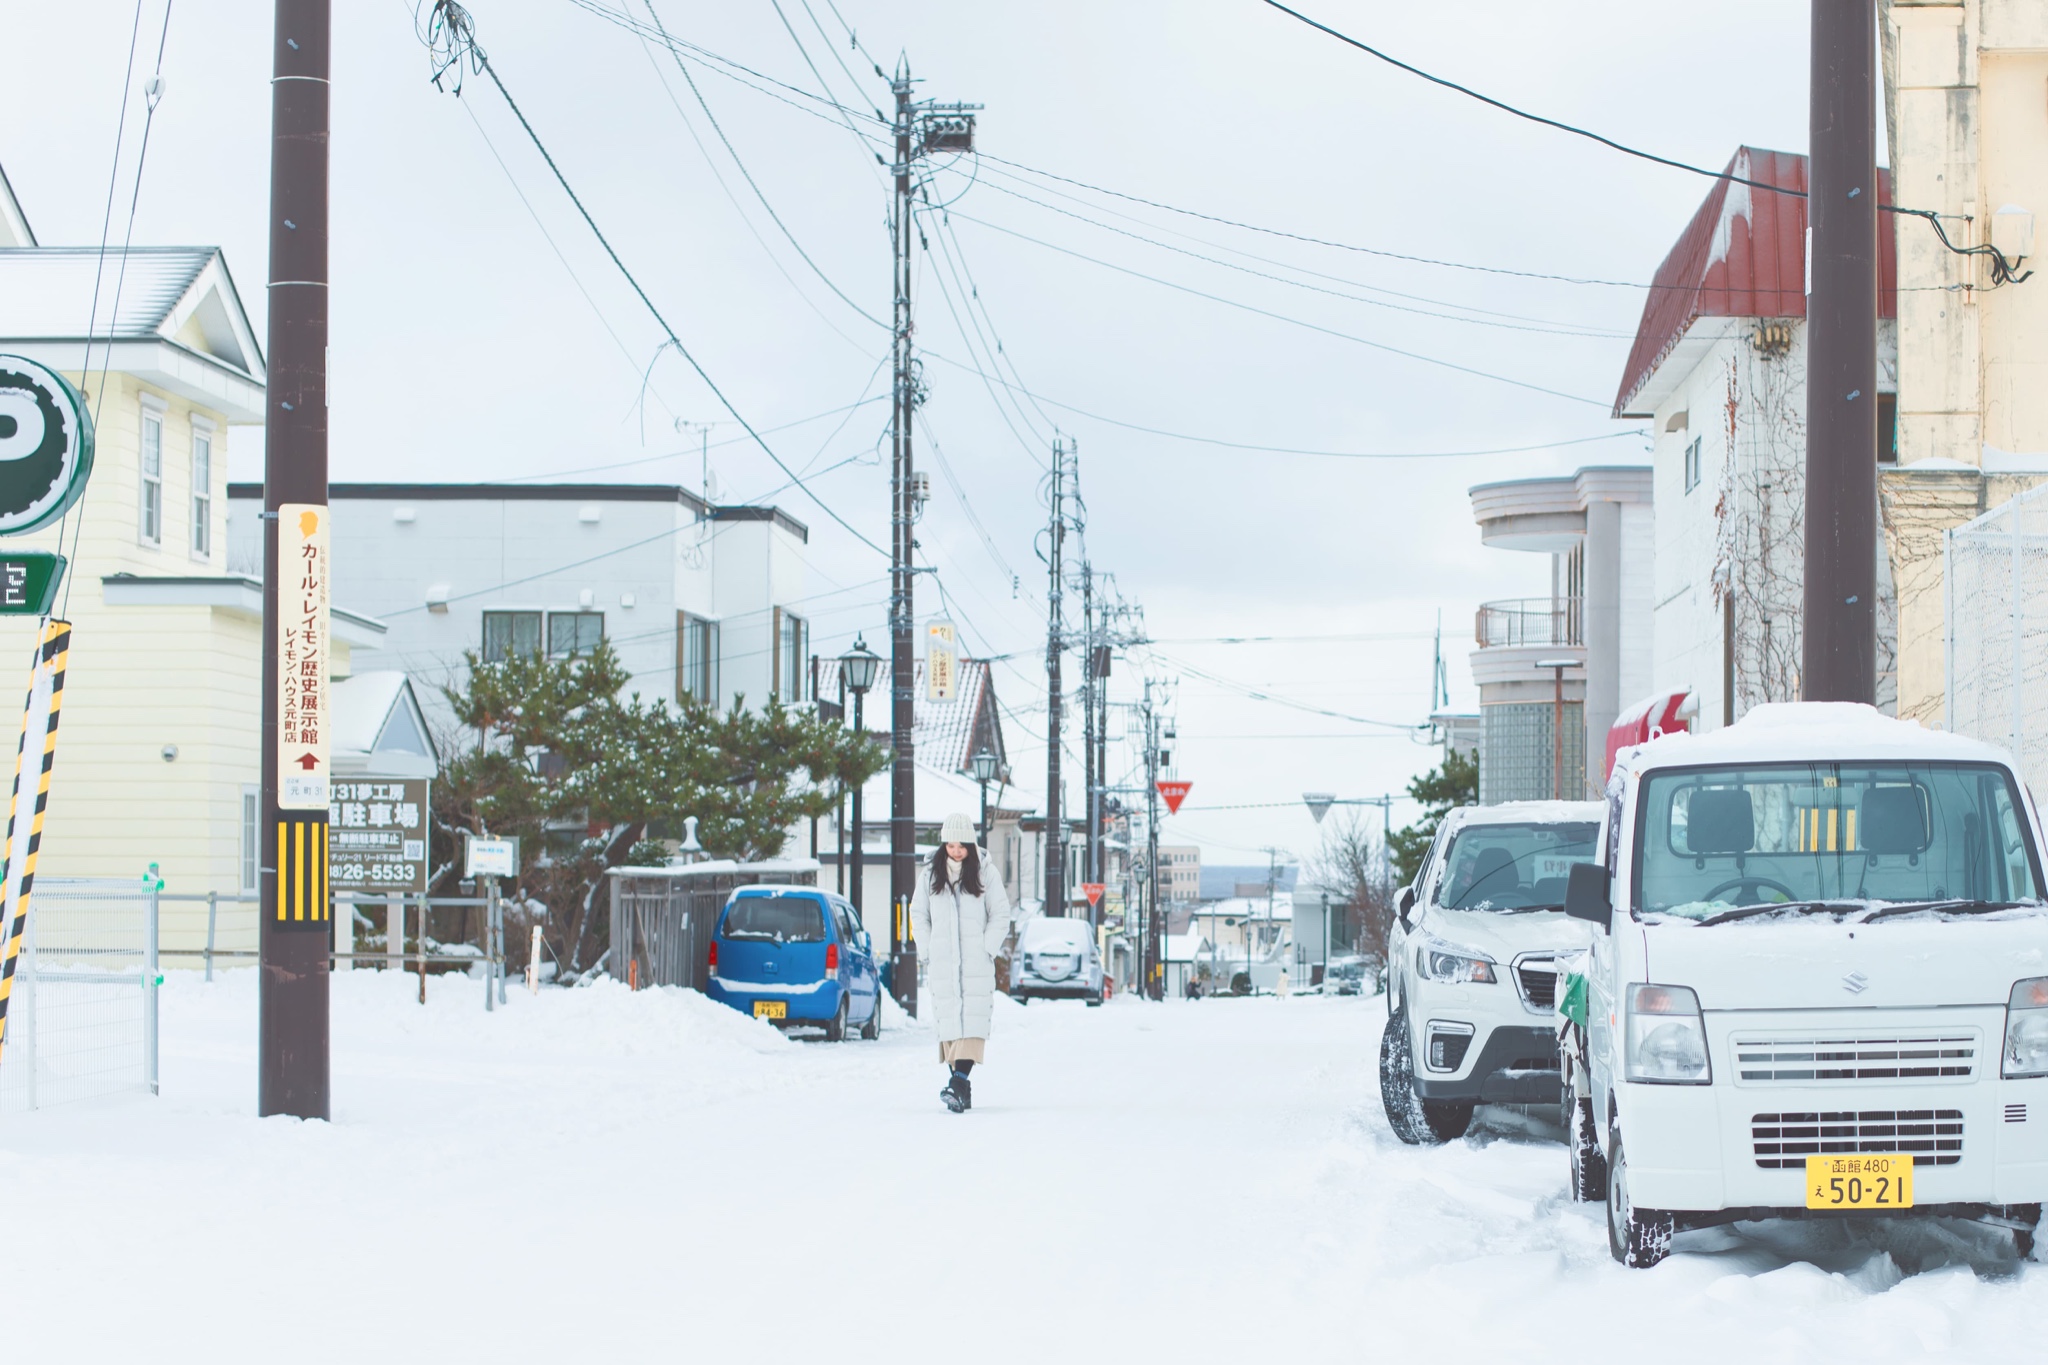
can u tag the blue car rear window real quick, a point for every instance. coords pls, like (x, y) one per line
(786, 919)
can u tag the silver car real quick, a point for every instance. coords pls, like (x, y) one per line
(1056, 959)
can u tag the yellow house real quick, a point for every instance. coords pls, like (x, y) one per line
(1964, 84)
(157, 756)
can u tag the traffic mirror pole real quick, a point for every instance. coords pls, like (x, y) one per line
(297, 904)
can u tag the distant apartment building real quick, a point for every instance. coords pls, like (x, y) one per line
(1180, 873)
(696, 599)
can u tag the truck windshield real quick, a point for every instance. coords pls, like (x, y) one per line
(787, 919)
(1712, 839)
(1513, 867)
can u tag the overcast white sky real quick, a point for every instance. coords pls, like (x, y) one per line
(465, 347)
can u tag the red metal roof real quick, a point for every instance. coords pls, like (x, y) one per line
(1743, 255)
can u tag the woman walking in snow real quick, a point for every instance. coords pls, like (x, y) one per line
(959, 917)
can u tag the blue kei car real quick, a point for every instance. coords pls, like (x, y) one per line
(796, 956)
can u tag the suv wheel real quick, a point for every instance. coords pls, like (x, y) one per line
(1638, 1238)
(1581, 1136)
(835, 1031)
(872, 1029)
(1414, 1119)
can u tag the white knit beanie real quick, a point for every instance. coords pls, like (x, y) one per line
(957, 829)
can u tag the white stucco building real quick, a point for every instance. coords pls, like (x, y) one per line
(695, 598)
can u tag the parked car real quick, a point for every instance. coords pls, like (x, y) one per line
(1056, 958)
(1472, 970)
(1344, 975)
(794, 955)
(1815, 984)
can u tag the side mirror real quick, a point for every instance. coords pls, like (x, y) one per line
(867, 945)
(1586, 895)
(1404, 904)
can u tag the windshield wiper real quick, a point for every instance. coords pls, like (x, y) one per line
(1746, 911)
(1963, 906)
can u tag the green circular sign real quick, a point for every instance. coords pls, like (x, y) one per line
(45, 445)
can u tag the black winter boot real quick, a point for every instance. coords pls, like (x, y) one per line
(958, 1094)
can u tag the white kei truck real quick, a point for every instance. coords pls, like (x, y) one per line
(1818, 982)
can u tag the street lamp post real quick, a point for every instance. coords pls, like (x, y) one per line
(984, 772)
(857, 667)
(1557, 667)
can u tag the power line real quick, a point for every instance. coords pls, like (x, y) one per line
(2001, 268)
(452, 36)
(1283, 317)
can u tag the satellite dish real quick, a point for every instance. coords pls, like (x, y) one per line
(1319, 803)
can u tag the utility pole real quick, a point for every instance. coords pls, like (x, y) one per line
(1091, 811)
(1839, 644)
(921, 127)
(1055, 841)
(296, 907)
(1155, 920)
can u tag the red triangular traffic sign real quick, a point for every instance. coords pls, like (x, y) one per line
(1093, 891)
(1175, 792)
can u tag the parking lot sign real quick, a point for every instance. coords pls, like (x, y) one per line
(377, 834)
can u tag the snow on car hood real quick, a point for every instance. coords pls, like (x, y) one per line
(1504, 935)
(1820, 963)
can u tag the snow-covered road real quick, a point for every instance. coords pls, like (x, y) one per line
(596, 1175)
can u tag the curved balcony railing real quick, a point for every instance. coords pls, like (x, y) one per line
(1521, 622)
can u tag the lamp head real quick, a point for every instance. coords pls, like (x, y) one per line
(984, 766)
(860, 665)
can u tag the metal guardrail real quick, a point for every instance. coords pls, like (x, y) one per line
(1522, 622)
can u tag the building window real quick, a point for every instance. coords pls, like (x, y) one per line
(151, 519)
(697, 658)
(574, 632)
(250, 806)
(1887, 428)
(510, 634)
(202, 492)
(792, 651)
(1692, 465)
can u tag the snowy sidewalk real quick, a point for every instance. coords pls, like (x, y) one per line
(596, 1175)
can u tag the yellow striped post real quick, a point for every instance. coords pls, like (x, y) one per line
(45, 699)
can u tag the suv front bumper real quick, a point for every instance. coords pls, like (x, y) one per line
(1501, 1073)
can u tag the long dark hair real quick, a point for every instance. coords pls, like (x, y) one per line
(970, 870)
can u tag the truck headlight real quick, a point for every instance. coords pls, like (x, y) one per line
(1667, 1038)
(1437, 960)
(2026, 1029)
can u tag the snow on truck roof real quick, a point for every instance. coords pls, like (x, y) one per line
(1779, 732)
(1530, 812)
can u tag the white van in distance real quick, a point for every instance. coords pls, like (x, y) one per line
(1819, 985)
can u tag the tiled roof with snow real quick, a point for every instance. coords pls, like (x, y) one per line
(945, 734)
(1743, 255)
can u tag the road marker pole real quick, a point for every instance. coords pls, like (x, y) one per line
(25, 837)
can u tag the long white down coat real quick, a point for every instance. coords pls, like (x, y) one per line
(958, 937)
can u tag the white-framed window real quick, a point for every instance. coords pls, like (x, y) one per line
(1692, 465)
(790, 681)
(149, 523)
(202, 488)
(252, 805)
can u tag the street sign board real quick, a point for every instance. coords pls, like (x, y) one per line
(28, 582)
(941, 660)
(1175, 791)
(491, 857)
(302, 660)
(1319, 803)
(45, 445)
(377, 835)
(1093, 891)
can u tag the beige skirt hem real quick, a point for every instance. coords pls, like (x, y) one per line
(962, 1050)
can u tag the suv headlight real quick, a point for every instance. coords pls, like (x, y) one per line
(1667, 1038)
(1437, 960)
(2026, 1029)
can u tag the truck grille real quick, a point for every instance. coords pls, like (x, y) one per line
(1933, 1056)
(1536, 978)
(1933, 1136)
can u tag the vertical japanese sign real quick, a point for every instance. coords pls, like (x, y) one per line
(941, 660)
(303, 709)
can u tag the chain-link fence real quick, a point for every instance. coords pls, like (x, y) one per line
(1996, 590)
(83, 1019)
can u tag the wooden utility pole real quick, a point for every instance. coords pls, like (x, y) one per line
(297, 918)
(1839, 640)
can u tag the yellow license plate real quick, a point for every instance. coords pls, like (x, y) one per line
(771, 1009)
(1866, 1180)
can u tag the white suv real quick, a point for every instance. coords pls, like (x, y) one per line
(1818, 982)
(1056, 958)
(1472, 972)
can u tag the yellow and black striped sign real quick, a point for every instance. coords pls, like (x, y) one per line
(304, 898)
(44, 707)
